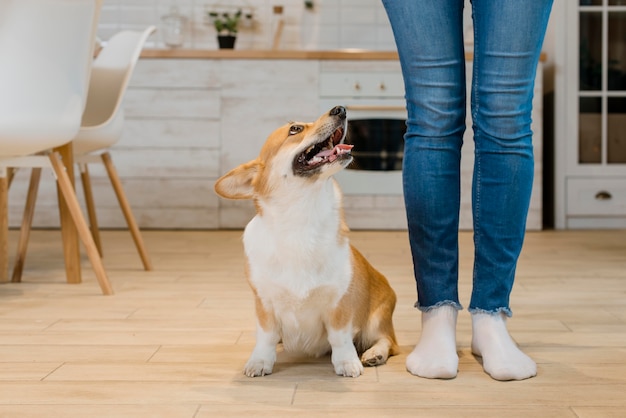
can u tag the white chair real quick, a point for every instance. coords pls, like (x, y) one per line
(101, 127)
(103, 123)
(46, 49)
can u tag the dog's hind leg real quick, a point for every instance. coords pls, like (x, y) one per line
(378, 340)
(378, 353)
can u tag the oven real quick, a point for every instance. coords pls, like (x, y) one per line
(372, 184)
(377, 132)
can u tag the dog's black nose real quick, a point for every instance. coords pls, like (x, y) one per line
(338, 111)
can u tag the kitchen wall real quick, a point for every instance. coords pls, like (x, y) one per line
(331, 24)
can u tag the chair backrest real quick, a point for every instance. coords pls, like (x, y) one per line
(46, 50)
(110, 75)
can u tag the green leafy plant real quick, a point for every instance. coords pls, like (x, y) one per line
(226, 23)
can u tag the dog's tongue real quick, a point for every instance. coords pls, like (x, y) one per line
(337, 150)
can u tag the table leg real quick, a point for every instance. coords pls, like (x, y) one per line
(69, 232)
(4, 226)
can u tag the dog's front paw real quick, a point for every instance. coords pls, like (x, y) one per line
(348, 368)
(258, 367)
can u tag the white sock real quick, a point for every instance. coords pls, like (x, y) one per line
(435, 355)
(502, 359)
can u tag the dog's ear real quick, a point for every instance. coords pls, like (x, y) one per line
(238, 183)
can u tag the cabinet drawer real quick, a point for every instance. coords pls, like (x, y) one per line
(596, 197)
(355, 84)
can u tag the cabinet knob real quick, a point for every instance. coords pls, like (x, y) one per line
(357, 86)
(603, 195)
(382, 86)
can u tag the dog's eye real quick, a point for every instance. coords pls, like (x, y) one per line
(295, 129)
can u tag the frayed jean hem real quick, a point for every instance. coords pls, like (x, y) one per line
(505, 311)
(455, 305)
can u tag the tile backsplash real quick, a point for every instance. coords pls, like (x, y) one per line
(331, 24)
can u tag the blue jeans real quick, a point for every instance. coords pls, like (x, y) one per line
(508, 35)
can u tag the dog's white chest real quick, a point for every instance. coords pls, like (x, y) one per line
(299, 278)
(296, 264)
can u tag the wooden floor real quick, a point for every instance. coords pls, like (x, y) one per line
(173, 342)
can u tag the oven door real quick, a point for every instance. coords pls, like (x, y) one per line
(376, 128)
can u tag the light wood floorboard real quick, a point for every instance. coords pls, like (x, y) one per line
(172, 342)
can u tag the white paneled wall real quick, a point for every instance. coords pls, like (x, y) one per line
(168, 156)
(332, 24)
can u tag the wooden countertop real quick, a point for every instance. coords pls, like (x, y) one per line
(339, 54)
(345, 54)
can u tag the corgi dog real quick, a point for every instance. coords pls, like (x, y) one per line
(313, 291)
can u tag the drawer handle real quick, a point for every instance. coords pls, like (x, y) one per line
(603, 195)
(357, 86)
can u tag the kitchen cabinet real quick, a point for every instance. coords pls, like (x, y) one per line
(590, 166)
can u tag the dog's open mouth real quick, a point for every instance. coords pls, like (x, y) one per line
(323, 152)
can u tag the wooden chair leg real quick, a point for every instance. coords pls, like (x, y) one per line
(11, 175)
(128, 214)
(91, 209)
(27, 222)
(69, 233)
(66, 188)
(4, 226)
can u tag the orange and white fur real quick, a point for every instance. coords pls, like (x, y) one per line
(313, 290)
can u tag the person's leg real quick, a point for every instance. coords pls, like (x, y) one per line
(508, 35)
(429, 39)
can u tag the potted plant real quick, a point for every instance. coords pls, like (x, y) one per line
(226, 25)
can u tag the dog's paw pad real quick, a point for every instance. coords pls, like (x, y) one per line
(371, 359)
